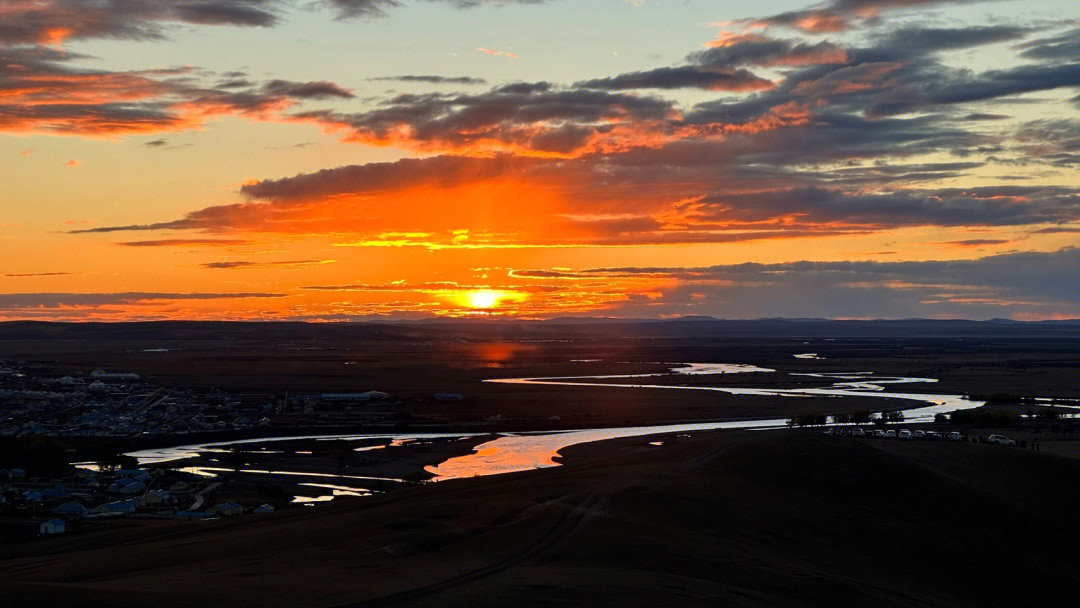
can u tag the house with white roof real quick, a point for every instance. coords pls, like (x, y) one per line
(53, 526)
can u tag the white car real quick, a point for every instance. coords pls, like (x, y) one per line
(1000, 440)
(904, 434)
(890, 434)
(919, 434)
(858, 433)
(954, 436)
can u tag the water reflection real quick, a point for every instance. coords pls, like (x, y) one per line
(309, 501)
(336, 492)
(513, 453)
(214, 471)
(526, 451)
(154, 456)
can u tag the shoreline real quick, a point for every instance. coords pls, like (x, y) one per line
(511, 452)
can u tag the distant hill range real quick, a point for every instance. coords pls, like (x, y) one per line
(560, 327)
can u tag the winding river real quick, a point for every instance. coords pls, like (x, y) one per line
(525, 451)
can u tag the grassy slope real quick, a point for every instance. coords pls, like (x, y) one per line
(776, 518)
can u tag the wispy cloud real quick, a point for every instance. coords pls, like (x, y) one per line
(1026, 285)
(252, 264)
(431, 79)
(497, 53)
(182, 242)
(826, 121)
(37, 274)
(43, 92)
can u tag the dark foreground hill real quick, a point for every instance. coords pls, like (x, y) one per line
(767, 518)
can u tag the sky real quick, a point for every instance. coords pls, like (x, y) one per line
(336, 160)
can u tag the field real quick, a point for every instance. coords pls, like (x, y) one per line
(413, 362)
(783, 517)
(763, 518)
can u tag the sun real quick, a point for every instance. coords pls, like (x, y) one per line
(483, 299)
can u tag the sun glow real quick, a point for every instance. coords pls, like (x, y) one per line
(483, 299)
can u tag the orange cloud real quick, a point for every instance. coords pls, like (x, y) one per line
(726, 38)
(822, 23)
(42, 93)
(496, 53)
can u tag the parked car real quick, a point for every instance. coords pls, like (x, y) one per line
(890, 434)
(1000, 440)
(920, 434)
(857, 432)
(933, 435)
(879, 433)
(829, 431)
(904, 434)
(954, 436)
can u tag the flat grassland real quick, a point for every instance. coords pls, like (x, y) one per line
(413, 362)
(766, 518)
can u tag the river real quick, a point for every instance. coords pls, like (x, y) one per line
(525, 451)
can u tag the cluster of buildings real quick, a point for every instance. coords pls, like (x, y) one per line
(56, 505)
(37, 400)
(33, 401)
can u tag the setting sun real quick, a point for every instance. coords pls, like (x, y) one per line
(483, 299)
(740, 177)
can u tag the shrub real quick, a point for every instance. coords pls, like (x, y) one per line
(861, 416)
(892, 416)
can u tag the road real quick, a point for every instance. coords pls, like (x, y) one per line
(200, 496)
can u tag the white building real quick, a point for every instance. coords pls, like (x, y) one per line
(227, 508)
(104, 375)
(53, 526)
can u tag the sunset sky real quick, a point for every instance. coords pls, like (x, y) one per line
(395, 159)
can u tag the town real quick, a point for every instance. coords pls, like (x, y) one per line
(60, 498)
(52, 417)
(38, 400)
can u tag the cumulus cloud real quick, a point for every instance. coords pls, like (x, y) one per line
(41, 92)
(711, 79)
(53, 21)
(841, 15)
(985, 206)
(1065, 46)
(527, 117)
(802, 136)
(1021, 285)
(760, 50)
(596, 202)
